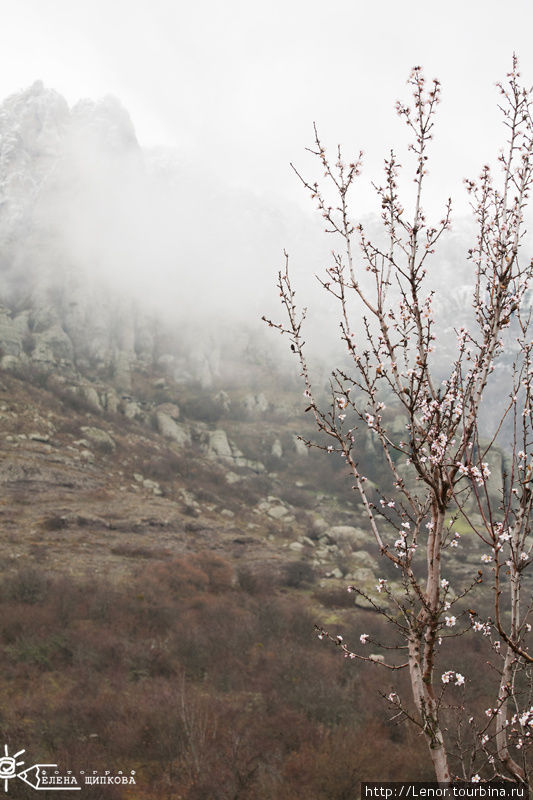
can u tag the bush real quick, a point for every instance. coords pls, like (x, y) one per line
(54, 522)
(298, 573)
(28, 585)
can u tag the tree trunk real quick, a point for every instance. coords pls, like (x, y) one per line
(426, 707)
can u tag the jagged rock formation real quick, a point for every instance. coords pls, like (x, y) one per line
(78, 228)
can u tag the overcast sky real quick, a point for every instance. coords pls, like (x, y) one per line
(237, 85)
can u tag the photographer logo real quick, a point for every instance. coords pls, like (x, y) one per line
(42, 777)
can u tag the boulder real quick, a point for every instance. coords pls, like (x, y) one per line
(39, 437)
(152, 486)
(100, 439)
(91, 396)
(346, 535)
(318, 526)
(363, 559)
(169, 409)
(335, 573)
(170, 429)
(296, 546)
(219, 447)
(362, 577)
(131, 409)
(277, 512)
(111, 401)
(277, 449)
(300, 447)
(11, 363)
(222, 401)
(255, 404)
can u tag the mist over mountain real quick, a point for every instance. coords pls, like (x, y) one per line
(98, 233)
(112, 252)
(146, 220)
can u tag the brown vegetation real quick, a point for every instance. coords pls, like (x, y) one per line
(206, 690)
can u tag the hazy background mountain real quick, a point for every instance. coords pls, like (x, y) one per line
(115, 243)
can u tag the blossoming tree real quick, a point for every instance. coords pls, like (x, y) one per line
(440, 467)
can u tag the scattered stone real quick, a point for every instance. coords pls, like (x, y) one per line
(334, 573)
(100, 439)
(39, 437)
(296, 546)
(277, 512)
(153, 486)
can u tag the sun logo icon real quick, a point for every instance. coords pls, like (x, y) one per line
(8, 765)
